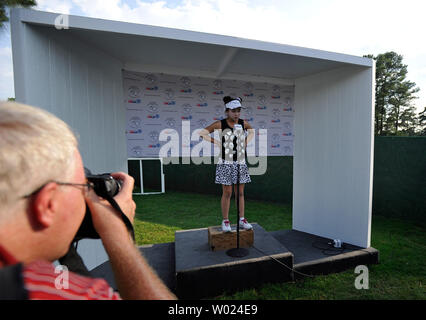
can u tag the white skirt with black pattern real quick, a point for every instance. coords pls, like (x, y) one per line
(227, 172)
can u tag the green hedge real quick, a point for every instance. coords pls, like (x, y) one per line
(275, 185)
(399, 187)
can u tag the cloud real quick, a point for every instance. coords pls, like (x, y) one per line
(353, 27)
(58, 6)
(6, 71)
(357, 27)
(230, 17)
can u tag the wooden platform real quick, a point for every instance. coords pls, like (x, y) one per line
(192, 270)
(219, 240)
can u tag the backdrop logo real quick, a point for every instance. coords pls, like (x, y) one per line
(135, 123)
(287, 125)
(275, 115)
(154, 146)
(137, 151)
(151, 82)
(275, 146)
(134, 92)
(153, 136)
(262, 99)
(276, 92)
(275, 138)
(170, 122)
(287, 134)
(217, 86)
(186, 109)
(248, 89)
(251, 119)
(248, 111)
(202, 123)
(202, 97)
(218, 112)
(152, 111)
(169, 94)
(134, 101)
(137, 131)
(287, 109)
(152, 107)
(186, 84)
(153, 116)
(287, 101)
(261, 125)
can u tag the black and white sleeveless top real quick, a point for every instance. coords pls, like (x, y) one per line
(229, 141)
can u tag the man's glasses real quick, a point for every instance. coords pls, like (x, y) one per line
(86, 187)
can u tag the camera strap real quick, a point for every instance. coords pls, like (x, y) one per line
(12, 283)
(126, 220)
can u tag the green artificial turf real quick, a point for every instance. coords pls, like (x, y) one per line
(401, 273)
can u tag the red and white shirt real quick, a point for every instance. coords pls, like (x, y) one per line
(45, 282)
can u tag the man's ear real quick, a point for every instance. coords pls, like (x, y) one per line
(45, 204)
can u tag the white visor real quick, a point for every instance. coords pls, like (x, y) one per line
(233, 104)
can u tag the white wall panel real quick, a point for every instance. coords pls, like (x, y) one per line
(80, 85)
(333, 159)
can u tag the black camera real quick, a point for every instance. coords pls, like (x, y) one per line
(105, 186)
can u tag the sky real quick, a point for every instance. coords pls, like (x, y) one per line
(355, 27)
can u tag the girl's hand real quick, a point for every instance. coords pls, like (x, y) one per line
(214, 141)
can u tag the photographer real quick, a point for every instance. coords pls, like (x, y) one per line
(43, 196)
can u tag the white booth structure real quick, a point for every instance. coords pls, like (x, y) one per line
(73, 67)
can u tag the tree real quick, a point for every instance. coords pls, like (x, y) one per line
(394, 113)
(407, 123)
(422, 122)
(12, 3)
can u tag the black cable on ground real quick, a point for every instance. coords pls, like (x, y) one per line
(328, 249)
(280, 262)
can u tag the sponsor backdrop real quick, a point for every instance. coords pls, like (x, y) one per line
(157, 102)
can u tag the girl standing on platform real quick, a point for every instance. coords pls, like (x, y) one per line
(231, 159)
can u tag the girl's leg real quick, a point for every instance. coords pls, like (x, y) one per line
(226, 200)
(241, 198)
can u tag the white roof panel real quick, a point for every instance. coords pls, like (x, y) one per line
(152, 48)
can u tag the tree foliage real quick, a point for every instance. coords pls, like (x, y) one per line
(395, 113)
(4, 4)
(422, 122)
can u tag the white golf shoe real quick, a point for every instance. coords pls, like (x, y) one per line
(245, 225)
(226, 226)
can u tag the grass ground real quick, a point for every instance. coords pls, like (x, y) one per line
(401, 273)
